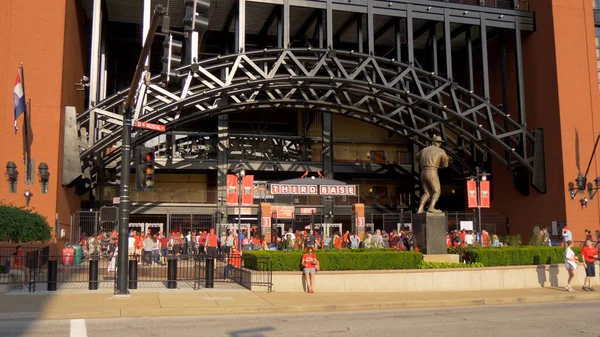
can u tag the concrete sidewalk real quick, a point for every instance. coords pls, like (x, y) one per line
(152, 303)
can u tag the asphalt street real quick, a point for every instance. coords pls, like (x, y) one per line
(543, 320)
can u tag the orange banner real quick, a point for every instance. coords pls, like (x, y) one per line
(248, 190)
(283, 212)
(484, 187)
(472, 193)
(232, 185)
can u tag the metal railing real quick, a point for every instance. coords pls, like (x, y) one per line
(146, 270)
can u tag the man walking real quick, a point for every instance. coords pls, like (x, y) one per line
(211, 244)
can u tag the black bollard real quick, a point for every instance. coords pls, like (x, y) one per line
(52, 274)
(210, 273)
(172, 274)
(93, 282)
(133, 283)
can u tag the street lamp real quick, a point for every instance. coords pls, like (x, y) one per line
(28, 196)
(240, 173)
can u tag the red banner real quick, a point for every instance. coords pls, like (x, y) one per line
(232, 185)
(248, 190)
(472, 193)
(484, 187)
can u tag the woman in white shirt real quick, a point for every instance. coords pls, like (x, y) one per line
(570, 263)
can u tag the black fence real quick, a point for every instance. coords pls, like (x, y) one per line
(145, 271)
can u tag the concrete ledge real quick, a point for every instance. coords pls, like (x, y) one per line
(431, 280)
(446, 258)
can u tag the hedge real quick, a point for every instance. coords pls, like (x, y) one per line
(517, 256)
(346, 259)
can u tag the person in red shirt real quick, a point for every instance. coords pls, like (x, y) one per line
(310, 265)
(235, 261)
(589, 254)
(211, 242)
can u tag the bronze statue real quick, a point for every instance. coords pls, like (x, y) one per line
(430, 159)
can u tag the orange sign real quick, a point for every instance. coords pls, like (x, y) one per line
(266, 222)
(308, 211)
(484, 188)
(283, 212)
(472, 193)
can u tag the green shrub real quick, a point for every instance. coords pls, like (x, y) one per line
(22, 225)
(517, 256)
(442, 265)
(346, 259)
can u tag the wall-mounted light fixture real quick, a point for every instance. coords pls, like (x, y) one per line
(27, 196)
(11, 175)
(584, 202)
(44, 176)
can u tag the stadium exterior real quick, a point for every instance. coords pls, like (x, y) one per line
(346, 89)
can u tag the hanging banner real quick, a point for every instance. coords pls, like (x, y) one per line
(484, 188)
(232, 185)
(472, 193)
(248, 190)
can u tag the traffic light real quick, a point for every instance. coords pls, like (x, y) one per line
(171, 58)
(196, 15)
(144, 169)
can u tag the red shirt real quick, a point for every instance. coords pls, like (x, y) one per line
(212, 240)
(309, 260)
(588, 253)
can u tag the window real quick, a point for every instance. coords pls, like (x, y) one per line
(377, 157)
(596, 4)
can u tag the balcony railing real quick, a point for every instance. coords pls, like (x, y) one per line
(503, 4)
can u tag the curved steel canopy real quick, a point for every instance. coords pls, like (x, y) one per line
(392, 95)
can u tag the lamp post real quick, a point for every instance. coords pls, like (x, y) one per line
(479, 176)
(240, 173)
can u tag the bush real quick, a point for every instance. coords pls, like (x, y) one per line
(442, 265)
(22, 225)
(346, 259)
(517, 256)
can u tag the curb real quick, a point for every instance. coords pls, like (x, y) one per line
(204, 311)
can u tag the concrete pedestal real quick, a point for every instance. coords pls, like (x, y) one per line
(429, 231)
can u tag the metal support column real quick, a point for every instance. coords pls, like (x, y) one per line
(327, 152)
(329, 22)
(320, 37)
(520, 84)
(94, 66)
(370, 27)
(448, 44)
(222, 168)
(359, 34)
(504, 77)
(240, 27)
(286, 24)
(398, 39)
(434, 51)
(146, 25)
(280, 29)
(484, 59)
(409, 36)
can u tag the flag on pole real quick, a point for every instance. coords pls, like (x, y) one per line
(19, 99)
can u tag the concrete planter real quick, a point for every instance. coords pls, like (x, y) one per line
(432, 280)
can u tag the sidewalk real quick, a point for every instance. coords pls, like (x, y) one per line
(70, 304)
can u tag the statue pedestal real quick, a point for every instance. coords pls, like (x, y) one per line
(429, 232)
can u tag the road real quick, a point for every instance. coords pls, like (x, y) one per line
(539, 320)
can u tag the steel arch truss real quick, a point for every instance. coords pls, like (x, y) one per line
(395, 96)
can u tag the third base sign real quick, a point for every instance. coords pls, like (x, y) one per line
(149, 126)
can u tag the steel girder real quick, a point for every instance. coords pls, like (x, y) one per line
(392, 95)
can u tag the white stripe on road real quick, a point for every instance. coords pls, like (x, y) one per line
(78, 328)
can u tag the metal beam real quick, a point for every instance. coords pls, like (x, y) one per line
(286, 23)
(370, 28)
(346, 27)
(387, 26)
(230, 17)
(520, 84)
(409, 36)
(94, 65)
(329, 22)
(448, 45)
(484, 59)
(275, 12)
(306, 25)
(359, 34)
(240, 26)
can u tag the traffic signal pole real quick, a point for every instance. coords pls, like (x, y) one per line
(122, 257)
